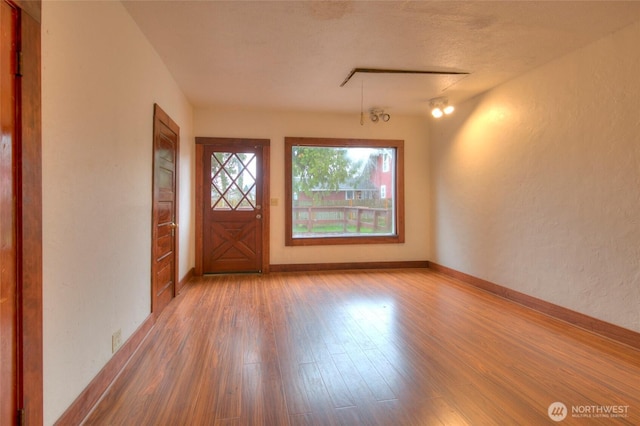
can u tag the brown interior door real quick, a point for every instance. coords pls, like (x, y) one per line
(233, 208)
(164, 246)
(8, 235)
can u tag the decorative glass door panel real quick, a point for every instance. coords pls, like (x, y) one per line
(233, 181)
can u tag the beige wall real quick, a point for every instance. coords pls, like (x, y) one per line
(100, 81)
(276, 125)
(536, 184)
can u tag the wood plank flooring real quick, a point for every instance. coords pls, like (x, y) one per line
(390, 347)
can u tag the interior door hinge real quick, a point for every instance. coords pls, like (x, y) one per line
(18, 63)
(20, 418)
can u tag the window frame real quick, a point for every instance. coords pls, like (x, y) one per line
(398, 145)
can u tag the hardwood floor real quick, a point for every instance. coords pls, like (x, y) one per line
(390, 347)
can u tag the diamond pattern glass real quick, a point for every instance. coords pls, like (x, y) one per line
(233, 181)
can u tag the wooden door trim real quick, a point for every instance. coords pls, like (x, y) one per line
(266, 161)
(160, 116)
(29, 212)
(9, 221)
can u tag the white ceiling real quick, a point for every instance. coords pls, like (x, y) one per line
(293, 55)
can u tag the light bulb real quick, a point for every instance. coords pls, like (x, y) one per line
(448, 109)
(436, 112)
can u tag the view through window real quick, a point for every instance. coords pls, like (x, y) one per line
(343, 191)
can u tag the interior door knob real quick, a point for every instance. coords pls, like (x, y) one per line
(258, 216)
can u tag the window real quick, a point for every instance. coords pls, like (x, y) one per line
(233, 181)
(343, 191)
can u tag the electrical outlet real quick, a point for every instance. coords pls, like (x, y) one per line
(116, 341)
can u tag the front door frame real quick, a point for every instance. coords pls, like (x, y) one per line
(200, 144)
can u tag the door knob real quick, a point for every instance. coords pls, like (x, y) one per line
(258, 216)
(173, 225)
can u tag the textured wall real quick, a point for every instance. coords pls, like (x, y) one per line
(276, 125)
(100, 81)
(536, 184)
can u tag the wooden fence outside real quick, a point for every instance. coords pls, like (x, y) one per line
(376, 219)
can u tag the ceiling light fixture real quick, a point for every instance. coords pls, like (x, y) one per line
(378, 114)
(440, 107)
